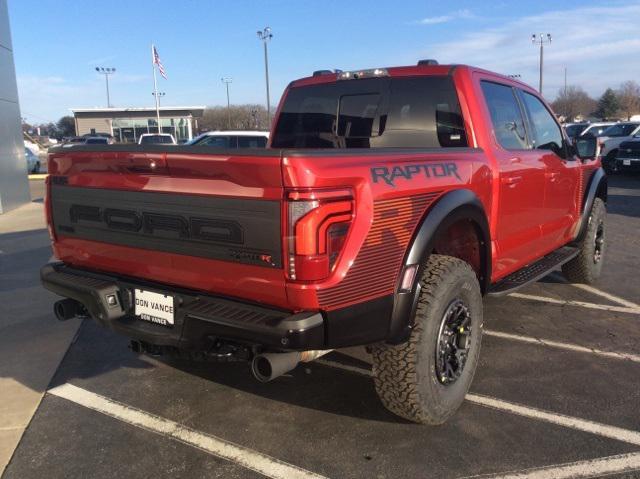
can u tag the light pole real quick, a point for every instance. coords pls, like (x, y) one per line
(265, 35)
(541, 39)
(160, 95)
(106, 72)
(226, 81)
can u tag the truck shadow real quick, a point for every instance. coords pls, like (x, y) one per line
(310, 385)
(100, 357)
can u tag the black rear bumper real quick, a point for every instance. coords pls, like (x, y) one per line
(199, 318)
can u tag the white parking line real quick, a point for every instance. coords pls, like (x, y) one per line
(604, 294)
(598, 292)
(611, 432)
(247, 458)
(570, 302)
(603, 430)
(570, 347)
(574, 470)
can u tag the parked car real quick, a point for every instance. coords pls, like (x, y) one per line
(597, 129)
(387, 205)
(232, 139)
(73, 140)
(628, 157)
(611, 139)
(33, 162)
(99, 140)
(157, 139)
(574, 130)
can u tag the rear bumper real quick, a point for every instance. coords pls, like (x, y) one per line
(198, 320)
(628, 164)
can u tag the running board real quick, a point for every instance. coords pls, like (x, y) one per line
(534, 271)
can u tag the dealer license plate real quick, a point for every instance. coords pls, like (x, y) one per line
(154, 307)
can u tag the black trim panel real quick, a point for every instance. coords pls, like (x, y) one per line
(598, 187)
(362, 323)
(228, 229)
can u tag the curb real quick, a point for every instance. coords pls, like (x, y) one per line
(40, 176)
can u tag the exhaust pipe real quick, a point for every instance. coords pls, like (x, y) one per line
(268, 366)
(66, 309)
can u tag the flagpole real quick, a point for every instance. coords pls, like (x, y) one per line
(155, 88)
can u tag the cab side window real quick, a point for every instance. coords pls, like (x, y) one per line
(545, 132)
(506, 116)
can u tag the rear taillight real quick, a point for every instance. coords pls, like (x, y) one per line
(317, 228)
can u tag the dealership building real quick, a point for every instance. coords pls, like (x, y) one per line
(127, 124)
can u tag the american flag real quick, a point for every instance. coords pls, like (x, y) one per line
(156, 61)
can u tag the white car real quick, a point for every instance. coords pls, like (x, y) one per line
(574, 130)
(157, 139)
(610, 140)
(232, 139)
(597, 128)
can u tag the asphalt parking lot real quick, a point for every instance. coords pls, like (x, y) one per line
(556, 394)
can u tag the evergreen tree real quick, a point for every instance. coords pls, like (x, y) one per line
(608, 104)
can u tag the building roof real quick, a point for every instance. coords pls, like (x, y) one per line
(195, 111)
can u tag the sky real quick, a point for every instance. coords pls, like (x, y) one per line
(58, 43)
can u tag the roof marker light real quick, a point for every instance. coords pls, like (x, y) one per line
(357, 74)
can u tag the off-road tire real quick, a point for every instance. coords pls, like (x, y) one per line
(405, 375)
(584, 268)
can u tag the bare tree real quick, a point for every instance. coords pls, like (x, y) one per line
(629, 98)
(239, 117)
(573, 101)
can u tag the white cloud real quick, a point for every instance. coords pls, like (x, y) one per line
(597, 45)
(446, 18)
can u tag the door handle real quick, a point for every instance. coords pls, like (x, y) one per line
(551, 175)
(515, 159)
(511, 180)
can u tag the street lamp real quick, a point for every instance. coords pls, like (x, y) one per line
(106, 72)
(160, 95)
(226, 81)
(265, 35)
(541, 39)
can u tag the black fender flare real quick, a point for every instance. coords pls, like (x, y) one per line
(597, 188)
(453, 206)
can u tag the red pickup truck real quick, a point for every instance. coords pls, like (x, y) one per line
(388, 202)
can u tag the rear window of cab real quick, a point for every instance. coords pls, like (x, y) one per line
(421, 112)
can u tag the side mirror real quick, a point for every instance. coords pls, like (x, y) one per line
(585, 147)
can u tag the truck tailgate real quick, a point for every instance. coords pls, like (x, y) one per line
(209, 222)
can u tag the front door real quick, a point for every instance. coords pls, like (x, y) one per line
(521, 182)
(561, 173)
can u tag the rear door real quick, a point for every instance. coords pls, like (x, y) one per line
(561, 172)
(521, 181)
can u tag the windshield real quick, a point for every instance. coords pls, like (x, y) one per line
(622, 129)
(372, 113)
(97, 141)
(575, 130)
(155, 139)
